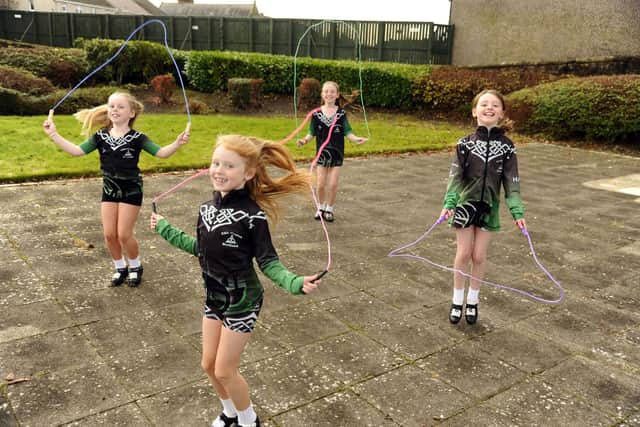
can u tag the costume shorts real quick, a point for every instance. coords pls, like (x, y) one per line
(330, 157)
(238, 309)
(471, 213)
(122, 190)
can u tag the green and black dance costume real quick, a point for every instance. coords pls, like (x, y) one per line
(121, 179)
(231, 231)
(484, 161)
(333, 152)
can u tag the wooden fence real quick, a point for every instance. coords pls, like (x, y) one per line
(405, 42)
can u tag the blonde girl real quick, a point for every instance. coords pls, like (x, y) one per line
(119, 146)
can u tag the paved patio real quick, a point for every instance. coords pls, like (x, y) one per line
(373, 347)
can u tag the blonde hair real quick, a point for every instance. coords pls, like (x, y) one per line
(506, 124)
(98, 117)
(260, 154)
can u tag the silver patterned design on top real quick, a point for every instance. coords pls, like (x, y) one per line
(496, 148)
(118, 142)
(213, 217)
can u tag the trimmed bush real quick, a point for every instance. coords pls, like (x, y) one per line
(138, 62)
(383, 84)
(592, 108)
(244, 92)
(453, 88)
(164, 86)
(61, 66)
(23, 81)
(309, 94)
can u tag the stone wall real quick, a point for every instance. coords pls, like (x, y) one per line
(491, 32)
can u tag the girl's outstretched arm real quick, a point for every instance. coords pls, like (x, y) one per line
(174, 235)
(67, 146)
(356, 139)
(169, 150)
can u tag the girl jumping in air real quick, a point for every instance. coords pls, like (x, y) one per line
(484, 161)
(232, 230)
(332, 156)
(119, 146)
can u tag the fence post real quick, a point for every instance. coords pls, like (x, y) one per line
(250, 23)
(190, 32)
(290, 37)
(381, 27)
(71, 30)
(221, 33)
(332, 40)
(271, 35)
(309, 37)
(107, 24)
(431, 33)
(50, 21)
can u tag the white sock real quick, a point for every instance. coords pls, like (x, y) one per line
(134, 262)
(228, 408)
(120, 263)
(458, 296)
(328, 208)
(247, 416)
(473, 296)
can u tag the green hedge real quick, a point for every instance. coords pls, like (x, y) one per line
(384, 84)
(138, 62)
(62, 67)
(600, 108)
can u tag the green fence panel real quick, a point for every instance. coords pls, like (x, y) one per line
(407, 42)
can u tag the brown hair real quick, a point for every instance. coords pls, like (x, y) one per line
(260, 154)
(340, 100)
(505, 123)
(98, 117)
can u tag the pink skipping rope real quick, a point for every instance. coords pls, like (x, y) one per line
(313, 192)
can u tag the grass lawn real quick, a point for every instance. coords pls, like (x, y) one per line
(28, 155)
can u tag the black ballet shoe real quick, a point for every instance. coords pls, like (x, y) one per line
(471, 313)
(455, 314)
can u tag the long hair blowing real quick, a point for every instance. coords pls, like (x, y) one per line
(261, 155)
(98, 117)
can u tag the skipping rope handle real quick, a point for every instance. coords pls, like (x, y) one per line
(320, 275)
(154, 208)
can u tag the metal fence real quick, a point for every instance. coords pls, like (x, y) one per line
(406, 42)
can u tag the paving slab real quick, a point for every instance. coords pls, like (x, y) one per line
(373, 347)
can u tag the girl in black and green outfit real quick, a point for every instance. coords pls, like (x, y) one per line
(484, 161)
(232, 230)
(119, 146)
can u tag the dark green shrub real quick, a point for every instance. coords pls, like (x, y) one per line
(383, 84)
(138, 62)
(600, 108)
(23, 81)
(63, 67)
(244, 92)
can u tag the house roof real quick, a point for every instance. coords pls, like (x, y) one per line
(219, 10)
(135, 7)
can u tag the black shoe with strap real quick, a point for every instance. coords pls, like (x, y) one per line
(455, 314)
(224, 421)
(119, 276)
(135, 276)
(328, 216)
(471, 313)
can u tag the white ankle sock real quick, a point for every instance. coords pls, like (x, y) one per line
(328, 208)
(228, 408)
(473, 296)
(120, 263)
(458, 296)
(134, 262)
(247, 416)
